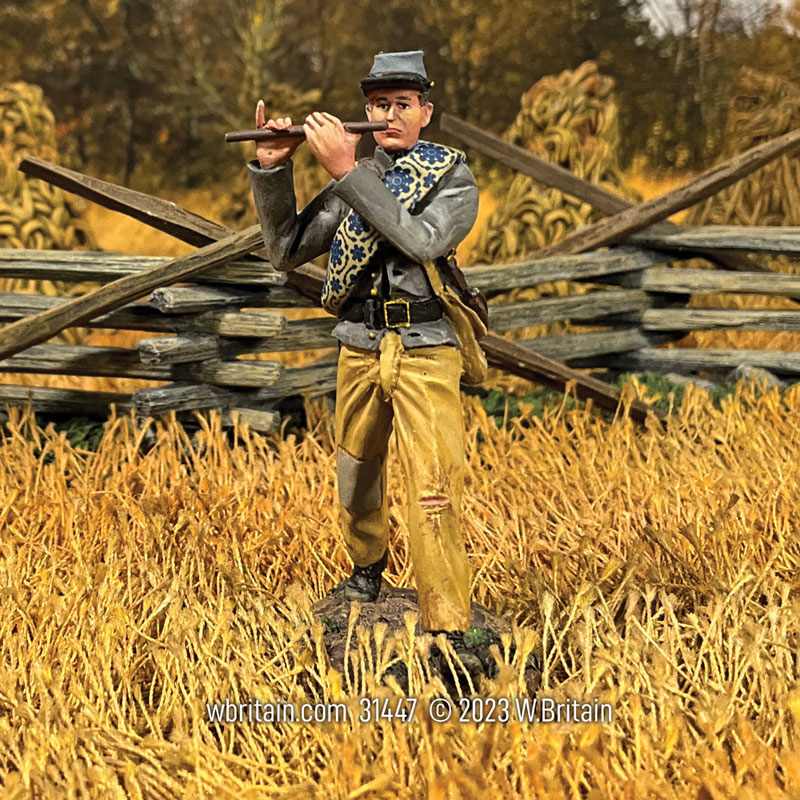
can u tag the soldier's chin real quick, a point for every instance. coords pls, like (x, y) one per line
(391, 141)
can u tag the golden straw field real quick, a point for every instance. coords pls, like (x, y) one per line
(653, 569)
(656, 570)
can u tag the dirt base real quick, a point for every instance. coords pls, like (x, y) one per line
(392, 604)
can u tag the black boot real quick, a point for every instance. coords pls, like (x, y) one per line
(469, 660)
(365, 582)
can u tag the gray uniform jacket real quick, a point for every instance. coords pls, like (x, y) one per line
(440, 221)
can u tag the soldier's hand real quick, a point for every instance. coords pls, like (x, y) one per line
(278, 151)
(331, 144)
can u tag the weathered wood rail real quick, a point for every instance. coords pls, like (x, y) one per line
(235, 301)
(306, 280)
(600, 198)
(236, 308)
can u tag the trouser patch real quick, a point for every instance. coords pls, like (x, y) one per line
(359, 482)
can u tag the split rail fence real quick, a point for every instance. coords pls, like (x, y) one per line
(636, 299)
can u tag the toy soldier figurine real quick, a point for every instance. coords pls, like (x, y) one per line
(389, 222)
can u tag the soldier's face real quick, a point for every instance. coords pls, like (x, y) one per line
(402, 110)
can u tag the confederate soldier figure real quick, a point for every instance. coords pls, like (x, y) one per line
(385, 221)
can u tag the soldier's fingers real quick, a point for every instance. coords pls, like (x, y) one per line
(312, 122)
(316, 142)
(335, 120)
(260, 114)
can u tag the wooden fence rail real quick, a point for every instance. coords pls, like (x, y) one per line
(550, 174)
(236, 309)
(234, 303)
(307, 279)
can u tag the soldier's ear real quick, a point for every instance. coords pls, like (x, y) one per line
(427, 113)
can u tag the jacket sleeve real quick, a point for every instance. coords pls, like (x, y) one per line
(442, 220)
(292, 239)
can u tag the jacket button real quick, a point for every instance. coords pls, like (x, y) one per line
(372, 336)
(373, 292)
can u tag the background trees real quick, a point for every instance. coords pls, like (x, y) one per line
(144, 89)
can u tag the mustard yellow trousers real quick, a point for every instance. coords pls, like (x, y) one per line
(417, 391)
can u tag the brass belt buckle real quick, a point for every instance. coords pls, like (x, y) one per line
(400, 301)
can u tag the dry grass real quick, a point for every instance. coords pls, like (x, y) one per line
(650, 184)
(654, 570)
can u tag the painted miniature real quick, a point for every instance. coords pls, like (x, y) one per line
(389, 222)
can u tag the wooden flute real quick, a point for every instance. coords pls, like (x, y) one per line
(296, 132)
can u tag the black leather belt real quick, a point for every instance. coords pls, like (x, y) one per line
(377, 314)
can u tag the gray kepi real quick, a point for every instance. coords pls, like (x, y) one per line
(397, 70)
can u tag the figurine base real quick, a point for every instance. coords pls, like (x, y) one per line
(390, 608)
